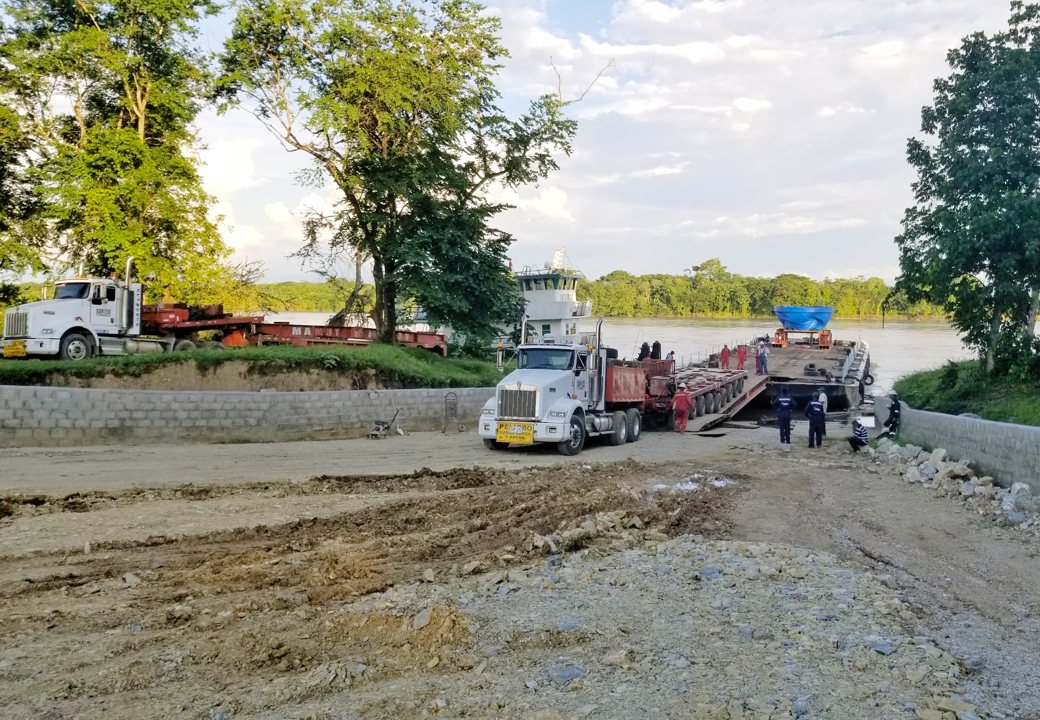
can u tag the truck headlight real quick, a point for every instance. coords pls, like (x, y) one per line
(47, 331)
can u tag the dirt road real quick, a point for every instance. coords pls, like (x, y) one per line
(236, 581)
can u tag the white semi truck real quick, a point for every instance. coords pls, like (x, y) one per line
(86, 316)
(566, 392)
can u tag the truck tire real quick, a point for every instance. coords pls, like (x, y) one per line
(494, 444)
(76, 346)
(698, 405)
(575, 438)
(619, 433)
(635, 424)
(183, 345)
(713, 400)
(213, 345)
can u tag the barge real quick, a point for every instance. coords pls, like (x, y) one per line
(804, 358)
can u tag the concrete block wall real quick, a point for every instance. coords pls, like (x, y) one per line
(48, 416)
(1010, 453)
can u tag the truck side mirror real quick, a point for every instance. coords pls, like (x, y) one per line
(96, 300)
(577, 371)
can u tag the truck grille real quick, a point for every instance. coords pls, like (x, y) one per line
(16, 324)
(517, 403)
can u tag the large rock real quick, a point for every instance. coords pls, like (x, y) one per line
(1021, 489)
(938, 455)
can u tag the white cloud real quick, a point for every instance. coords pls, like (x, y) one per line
(751, 105)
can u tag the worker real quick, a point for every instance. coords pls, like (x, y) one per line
(644, 351)
(822, 395)
(655, 351)
(817, 421)
(763, 359)
(859, 436)
(741, 356)
(724, 355)
(681, 407)
(892, 423)
(670, 355)
(784, 406)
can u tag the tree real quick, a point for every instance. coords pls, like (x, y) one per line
(106, 93)
(394, 102)
(971, 242)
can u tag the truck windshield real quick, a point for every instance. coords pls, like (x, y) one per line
(546, 359)
(72, 291)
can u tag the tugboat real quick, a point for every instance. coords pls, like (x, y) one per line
(804, 358)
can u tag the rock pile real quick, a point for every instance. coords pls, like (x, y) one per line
(947, 477)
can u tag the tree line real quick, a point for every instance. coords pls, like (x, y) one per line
(710, 290)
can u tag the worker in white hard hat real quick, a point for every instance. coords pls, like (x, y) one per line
(681, 407)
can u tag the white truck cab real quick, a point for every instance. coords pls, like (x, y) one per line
(86, 316)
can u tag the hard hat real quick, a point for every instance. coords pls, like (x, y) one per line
(682, 386)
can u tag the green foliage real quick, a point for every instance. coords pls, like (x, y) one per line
(105, 94)
(709, 290)
(394, 366)
(965, 387)
(971, 242)
(395, 102)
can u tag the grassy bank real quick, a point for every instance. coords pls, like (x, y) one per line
(963, 387)
(394, 366)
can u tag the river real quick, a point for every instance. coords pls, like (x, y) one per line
(900, 347)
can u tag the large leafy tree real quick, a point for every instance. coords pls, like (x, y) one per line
(971, 242)
(395, 103)
(105, 91)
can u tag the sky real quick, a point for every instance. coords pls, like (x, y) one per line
(769, 134)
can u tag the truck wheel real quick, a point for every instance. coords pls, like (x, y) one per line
(183, 345)
(213, 345)
(76, 346)
(494, 444)
(635, 424)
(575, 438)
(619, 433)
(699, 405)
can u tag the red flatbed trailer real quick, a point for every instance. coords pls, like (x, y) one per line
(245, 330)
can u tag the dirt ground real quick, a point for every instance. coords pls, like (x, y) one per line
(282, 580)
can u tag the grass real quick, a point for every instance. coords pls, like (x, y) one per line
(393, 365)
(963, 387)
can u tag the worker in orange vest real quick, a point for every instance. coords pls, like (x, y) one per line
(681, 407)
(724, 355)
(741, 356)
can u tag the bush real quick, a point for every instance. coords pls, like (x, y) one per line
(964, 387)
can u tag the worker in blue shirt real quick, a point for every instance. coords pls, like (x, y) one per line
(817, 419)
(784, 406)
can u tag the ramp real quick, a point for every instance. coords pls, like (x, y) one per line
(754, 386)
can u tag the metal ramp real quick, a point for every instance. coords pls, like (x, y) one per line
(753, 387)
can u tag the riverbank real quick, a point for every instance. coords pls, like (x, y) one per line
(963, 387)
(738, 580)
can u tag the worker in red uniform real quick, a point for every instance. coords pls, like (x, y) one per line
(741, 356)
(724, 356)
(681, 407)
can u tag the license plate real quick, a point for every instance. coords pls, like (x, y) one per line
(520, 433)
(15, 349)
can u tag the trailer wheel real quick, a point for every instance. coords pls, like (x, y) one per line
(619, 433)
(183, 345)
(495, 444)
(575, 438)
(75, 346)
(698, 405)
(635, 424)
(213, 345)
(714, 399)
(868, 379)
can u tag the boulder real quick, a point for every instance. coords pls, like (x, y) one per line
(938, 455)
(1021, 489)
(967, 488)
